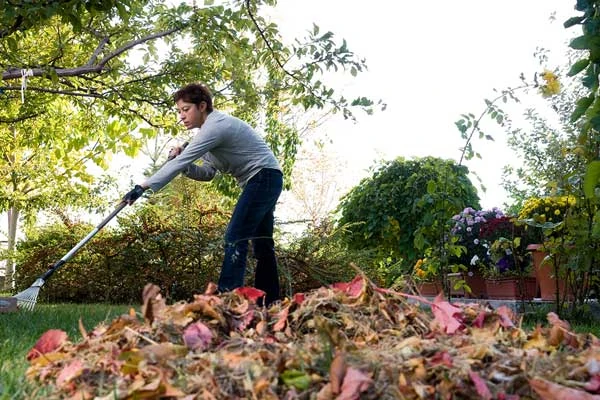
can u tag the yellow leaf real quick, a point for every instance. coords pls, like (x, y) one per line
(537, 341)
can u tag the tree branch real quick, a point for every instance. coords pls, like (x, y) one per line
(100, 47)
(6, 32)
(53, 91)
(90, 67)
(19, 119)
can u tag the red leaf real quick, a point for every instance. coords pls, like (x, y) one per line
(593, 385)
(242, 323)
(441, 358)
(352, 289)
(504, 396)
(355, 382)
(482, 390)
(197, 336)
(478, 322)
(447, 316)
(250, 293)
(70, 372)
(48, 342)
(506, 316)
(299, 298)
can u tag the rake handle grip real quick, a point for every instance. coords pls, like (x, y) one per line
(52, 269)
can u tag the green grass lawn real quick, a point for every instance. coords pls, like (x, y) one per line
(20, 330)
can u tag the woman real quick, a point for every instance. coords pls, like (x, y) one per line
(229, 145)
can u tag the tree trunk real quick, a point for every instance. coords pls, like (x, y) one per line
(13, 217)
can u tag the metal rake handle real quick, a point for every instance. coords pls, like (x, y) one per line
(83, 241)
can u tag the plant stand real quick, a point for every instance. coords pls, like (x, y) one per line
(429, 288)
(476, 282)
(510, 288)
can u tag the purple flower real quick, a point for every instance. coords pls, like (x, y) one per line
(504, 264)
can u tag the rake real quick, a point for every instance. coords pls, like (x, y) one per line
(28, 297)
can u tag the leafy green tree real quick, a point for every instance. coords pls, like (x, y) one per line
(551, 161)
(587, 109)
(402, 209)
(81, 81)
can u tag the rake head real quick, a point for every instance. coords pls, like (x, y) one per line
(28, 297)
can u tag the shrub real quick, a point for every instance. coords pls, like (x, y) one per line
(181, 254)
(403, 208)
(117, 263)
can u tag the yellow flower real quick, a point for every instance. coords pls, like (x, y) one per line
(549, 76)
(418, 264)
(557, 212)
(552, 85)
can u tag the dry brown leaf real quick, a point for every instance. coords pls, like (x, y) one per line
(149, 300)
(553, 391)
(82, 329)
(337, 372)
(388, 350)
(325, 393)
(162, 352)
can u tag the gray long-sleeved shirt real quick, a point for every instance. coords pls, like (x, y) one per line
(224, 143)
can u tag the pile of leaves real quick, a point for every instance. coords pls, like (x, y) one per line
(345, 341)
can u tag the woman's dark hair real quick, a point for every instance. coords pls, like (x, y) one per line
(194, 93)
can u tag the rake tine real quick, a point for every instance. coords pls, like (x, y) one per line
(28, 298)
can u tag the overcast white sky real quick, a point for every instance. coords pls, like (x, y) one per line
(430, 62)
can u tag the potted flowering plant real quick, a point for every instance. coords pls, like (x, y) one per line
(475, 257)
(544, 219)
(425, 275)
(509, 274)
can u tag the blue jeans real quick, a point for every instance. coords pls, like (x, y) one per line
(253, 219)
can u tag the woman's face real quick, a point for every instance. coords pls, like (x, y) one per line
(190, 114)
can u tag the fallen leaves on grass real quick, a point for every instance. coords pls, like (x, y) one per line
(347, 341)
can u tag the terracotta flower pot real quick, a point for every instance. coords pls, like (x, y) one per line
(544, 273)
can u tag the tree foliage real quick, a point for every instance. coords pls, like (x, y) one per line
(403, 207)
(82, 81)
(552, 162)
(587, 107)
